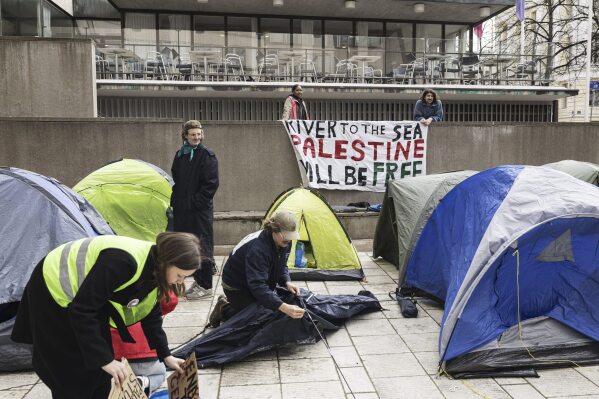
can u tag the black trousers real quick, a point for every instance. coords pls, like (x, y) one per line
(238, 300)
(199, 223)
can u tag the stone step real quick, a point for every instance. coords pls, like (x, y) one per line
(230, 227)
(361, 246)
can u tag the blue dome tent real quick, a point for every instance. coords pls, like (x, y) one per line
(37, 214)
(513, 254)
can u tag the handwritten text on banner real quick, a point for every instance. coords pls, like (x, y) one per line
(358, 155)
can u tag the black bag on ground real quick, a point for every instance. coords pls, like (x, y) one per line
(407, 304)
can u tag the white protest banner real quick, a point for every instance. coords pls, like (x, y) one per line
(186, 385)
(358, 155)
(130, 389)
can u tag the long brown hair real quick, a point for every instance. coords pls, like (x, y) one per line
(427, 91)
(175, 249)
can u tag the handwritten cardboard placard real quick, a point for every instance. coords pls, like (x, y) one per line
(130, 389)
(185, 386)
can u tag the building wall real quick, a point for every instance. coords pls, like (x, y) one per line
(255, 158)
(47, 78)
(572, 109)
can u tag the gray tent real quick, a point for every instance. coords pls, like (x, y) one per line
(585, 171)
(407, 206)
(37, 214)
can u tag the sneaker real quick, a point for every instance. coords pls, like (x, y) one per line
(144, 383)
(216, 316)
(197, 292)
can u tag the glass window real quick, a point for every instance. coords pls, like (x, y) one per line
(275, 32)
(9, 12)
(336, 42)
(103, 33)
(140, 34)
(95, 9)
(242, 32)
(428, 37)
(174, 36)
(398, 44)
(242, 40)
(454, 39)
(208, 32)
(369, 35)
(19, 18)
(55, 23)
(307, 34)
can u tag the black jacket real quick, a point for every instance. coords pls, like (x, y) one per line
(257, 265)
(196, 181)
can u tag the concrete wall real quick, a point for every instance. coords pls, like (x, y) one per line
(47, 78)
(256, 160)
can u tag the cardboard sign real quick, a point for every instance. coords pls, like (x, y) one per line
(185, 386)
(130, 389)
(357, 155)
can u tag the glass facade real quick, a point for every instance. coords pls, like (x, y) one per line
(324, 44)
(33, 18)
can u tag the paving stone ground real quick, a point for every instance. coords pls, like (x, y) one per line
(380, 355)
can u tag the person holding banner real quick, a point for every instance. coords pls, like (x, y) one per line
(255, 267)
(429, 108)
(295, 107)
(82, 288)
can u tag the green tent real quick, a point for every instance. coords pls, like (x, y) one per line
(328, 248)
(584, 171)
(407, 206)
(131, 195)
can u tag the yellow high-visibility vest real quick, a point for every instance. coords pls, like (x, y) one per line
(66, 267)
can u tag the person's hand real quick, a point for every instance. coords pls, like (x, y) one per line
(117, 370)
(292, 311)
(294, 289)
(427, 122)
(174, 363)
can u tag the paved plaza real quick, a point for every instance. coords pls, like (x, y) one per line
(381, 355)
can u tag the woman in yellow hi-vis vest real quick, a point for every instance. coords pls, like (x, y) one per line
(82, 288)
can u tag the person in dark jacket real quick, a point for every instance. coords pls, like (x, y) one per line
(82, 287)
(255, 267)
(195, 172)
(429, 108)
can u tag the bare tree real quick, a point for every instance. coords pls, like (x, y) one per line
(553, 33)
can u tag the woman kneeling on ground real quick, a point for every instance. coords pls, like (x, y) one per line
(255, 267)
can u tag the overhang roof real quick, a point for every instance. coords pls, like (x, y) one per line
(450, 11)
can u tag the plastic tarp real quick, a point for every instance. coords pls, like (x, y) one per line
(37, 214)
(335, 257)
(585, 171)
(257, 329)
(132, 195)
(407, 207)
(494, 250)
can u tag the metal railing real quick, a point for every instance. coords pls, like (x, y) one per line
(356, 61)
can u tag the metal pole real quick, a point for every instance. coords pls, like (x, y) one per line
(587, 97)
(522, 41)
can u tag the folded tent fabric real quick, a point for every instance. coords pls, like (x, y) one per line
(257, 329)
